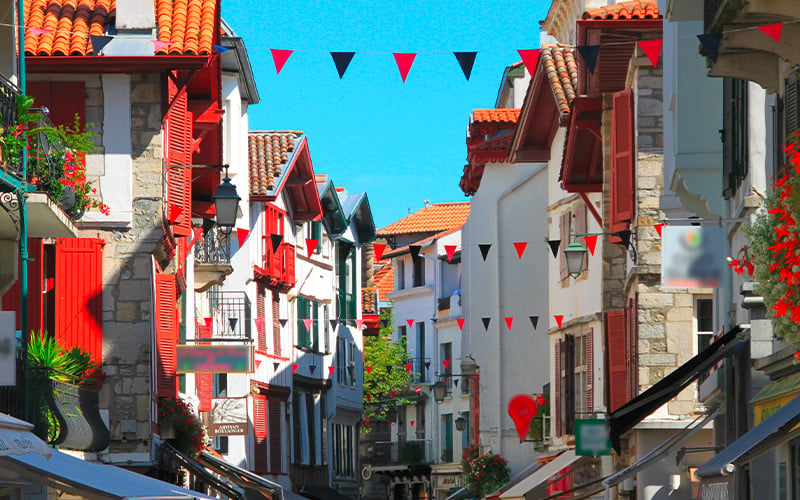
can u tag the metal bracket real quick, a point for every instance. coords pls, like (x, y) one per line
(9, 201)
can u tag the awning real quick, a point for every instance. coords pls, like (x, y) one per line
(540, 475)
(82, 478)
(631, 413)
(461, 494)
(322, 493)
(662, 450)
(242, 477)
(16, 438)
(759, 439)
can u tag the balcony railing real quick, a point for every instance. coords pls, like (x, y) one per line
(214, 248)
(8, 118)
(230, 315)
(278, 269)
(421, 368)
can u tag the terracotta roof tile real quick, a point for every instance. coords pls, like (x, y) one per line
(499, 115)
(561, 70)
(268, 153)
(384, 281)
(188, 24)
(433, 218)
(636, 9)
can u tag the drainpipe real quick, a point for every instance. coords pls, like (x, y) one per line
(23, 218)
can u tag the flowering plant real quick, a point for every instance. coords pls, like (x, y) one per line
(485, 473)
(190, 433)
(13, 141)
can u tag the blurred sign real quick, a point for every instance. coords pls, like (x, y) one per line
(8, 348)
(591, 437)
(215, 358)
(693, 256)
(228, 417)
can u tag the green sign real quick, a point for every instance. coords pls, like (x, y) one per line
(215, 358)
(591, 437)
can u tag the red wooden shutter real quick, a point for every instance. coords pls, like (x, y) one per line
(260, 432)
(588, 344)
(79, 302)
(564, 233)
(275, 437)
(178, 125)
(276, 324)
(166, 335)
(261, 334)
(632, 341)
(205, 381)
(622, 161)
(556, 406)
(179, 194)
(581, 227)
(616, 349)
(63, 99)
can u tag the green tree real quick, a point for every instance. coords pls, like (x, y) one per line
(380, 352)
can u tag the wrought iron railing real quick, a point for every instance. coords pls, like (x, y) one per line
(214, 248)
(8, 118)
(421, 368)
(230, 315)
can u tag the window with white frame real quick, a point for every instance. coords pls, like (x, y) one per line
(703, 322)
(401, 274)
(344, 450)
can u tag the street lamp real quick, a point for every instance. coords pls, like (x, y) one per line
(439, 388)
(575, 254)
(226, 202)
(461, 423)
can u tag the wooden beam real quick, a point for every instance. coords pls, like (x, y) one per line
(591, 208)
(296, 181)
(531, 155)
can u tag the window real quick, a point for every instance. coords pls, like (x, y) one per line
(344, 451)
(220, 444)
(351, 363)
(447, 437)
(304, 311)
(421, 377)
(564, 230)
(734, 135)
(401, 274)
(446, 354)
(579, 373)
(311, 428)
(703, 322)
(420, 423)
(313, 231)
(220, 387)
(419, 270)
(297, 426)
(326, 328)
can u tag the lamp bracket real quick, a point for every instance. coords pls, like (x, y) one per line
(9, 201)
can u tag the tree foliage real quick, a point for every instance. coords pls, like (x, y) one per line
(379, 353)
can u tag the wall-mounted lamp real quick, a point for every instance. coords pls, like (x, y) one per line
(575, 253)
(461, 423)
(226, 203)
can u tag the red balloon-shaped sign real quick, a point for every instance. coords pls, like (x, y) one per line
(522, 408)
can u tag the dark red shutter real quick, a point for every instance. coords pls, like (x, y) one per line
(588, 344)
(276, 324)
(63, 99)
(261, 344)
(178, 126)
(563, 230)
(632, 340)
(179, 194)
(581, 227)
(10, 301)
(79, 295)
(260, 432)
(166, 335)
(617, 349)
(622, 161)
(205, 381)
(275, 438)
(556, 406)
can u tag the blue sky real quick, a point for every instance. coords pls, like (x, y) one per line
(402, 143)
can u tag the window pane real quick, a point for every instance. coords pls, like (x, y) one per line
(705, 315)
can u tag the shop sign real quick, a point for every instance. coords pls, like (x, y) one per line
(215, 358)
(591, 437)
(228, 417)
(447, 481)
(716, 488)
(764, 409)
(692, 256)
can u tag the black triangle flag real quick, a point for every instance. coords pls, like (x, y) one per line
(283, 321)
(232, 322)
(208, 225)
(485, 247)
(625, 236)
(427, 364)
(414, 249)
(534, 321)
(312, 368)
(334, 323)
(554, 244)
(434, 320)
(342, 61)
(486, 322)
(275, 366)
(455, 382)
(710, 42)
(276, 241)
(99, 41)
(384, 323)
(466, 60)
(589, 54)
(389, 369)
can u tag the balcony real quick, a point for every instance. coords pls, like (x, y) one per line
(230, 316)
(212, 260)
(63, 411)
(278, 270)
(746, 52)
(421, 368)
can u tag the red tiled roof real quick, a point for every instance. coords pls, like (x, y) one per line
(499, 115)
(433, 218)
(636, 9)
(188, 24)
(384, 281)
(561, 70)
(268, 153)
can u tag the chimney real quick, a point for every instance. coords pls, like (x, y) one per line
(135, 15)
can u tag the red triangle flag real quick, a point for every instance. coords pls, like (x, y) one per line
(408, 367)
(652, 49)
(294, 367)
(451, 250)
(772, 30)
(591, 242)
(410, 323)
(208, 321)
(311, 246)
(280, 56)
(509, 321)
(369, 397)
(259, 323)
(241, 235)
(658, 228)
(520, 246)
(446, 363)
(379, 248)
(359, 323)
(258, 363)
(393, 393)
(460, 322)
(368, 368)
(530, 58)
(330, 370)
(174, 212)
(412, 423)
(418, 389)
(367, 420)
(559, 318)
(307, 322)
(404, 62)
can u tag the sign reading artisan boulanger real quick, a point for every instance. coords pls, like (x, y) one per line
(228, 417)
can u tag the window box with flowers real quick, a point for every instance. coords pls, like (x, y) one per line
(485, 473)
(180, 427)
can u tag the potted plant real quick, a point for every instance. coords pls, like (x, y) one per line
(484, 473)
(179, 426)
